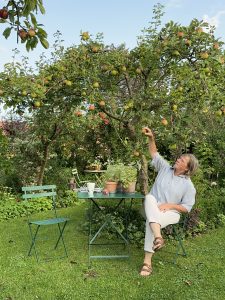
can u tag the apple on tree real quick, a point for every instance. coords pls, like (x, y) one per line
(4, 13)
(95, 85)
(78, 113)
(204, 55)
(164, 122)
(180, 34)
(101, 103)
(85, 36)
(23, 34)
(31, 32)
(114, 72)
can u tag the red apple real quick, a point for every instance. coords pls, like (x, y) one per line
(187, 42)
(4, 13)
(22, 34)
(180, 34)
(91, 107)
(78, 113)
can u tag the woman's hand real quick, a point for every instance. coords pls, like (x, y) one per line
(147, 131)
(165, 207)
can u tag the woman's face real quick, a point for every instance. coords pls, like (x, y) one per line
(181, 164)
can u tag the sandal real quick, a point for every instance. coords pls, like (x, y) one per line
(146, 268)
(158, 243)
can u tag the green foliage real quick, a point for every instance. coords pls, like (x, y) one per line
(12, 206)
(69, 198)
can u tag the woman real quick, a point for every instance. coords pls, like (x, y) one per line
(172, 193)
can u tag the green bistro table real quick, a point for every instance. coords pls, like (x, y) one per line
(119, 199)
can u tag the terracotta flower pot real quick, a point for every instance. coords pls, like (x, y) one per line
(111, 186)
(130, 188)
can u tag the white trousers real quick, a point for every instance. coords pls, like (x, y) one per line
(154, 215)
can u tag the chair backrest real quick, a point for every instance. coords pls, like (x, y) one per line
(76, 177)
(40, 191)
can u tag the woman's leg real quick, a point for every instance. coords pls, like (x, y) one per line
(155, 220)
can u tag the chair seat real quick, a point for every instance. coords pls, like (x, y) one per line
(49, 221)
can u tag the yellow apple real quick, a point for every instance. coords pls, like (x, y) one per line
(1, 92)
(101, 103)
(95, 85)
(31, 32)
(85, 36)
(138, 70)
(33, 95)
(174, 107)
(37, 103)
(136, 153)
(204, 55)
(24, 93)
(218, 113)
(199, 29)
(176, 53)
(114, 72)
(164, 122)
(95, 49)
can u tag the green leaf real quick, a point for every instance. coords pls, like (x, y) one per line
(33, 42)
(33, 19)
(28, 46)
(44, 43)
(2, 21)
(42, 33)
(41, 7)
(7, 32)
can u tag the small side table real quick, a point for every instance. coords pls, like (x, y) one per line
(119, 198)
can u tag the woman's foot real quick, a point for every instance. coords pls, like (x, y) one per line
(158, 243)
(146, 270)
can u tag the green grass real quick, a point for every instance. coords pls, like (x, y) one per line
(199, 276)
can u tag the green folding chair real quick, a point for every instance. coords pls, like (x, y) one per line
(45, 191)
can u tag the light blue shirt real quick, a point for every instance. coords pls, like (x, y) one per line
(169, 188)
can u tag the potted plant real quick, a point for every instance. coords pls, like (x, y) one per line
(94, 165)
(123, 178)
(112, 176)
(128, 178)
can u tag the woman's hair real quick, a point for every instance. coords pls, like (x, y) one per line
(192, 164)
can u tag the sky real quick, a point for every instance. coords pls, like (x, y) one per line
(120, 21)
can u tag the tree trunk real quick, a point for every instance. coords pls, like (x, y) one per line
(143, 175)
(43, 164)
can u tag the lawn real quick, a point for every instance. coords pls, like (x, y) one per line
(201, 275)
